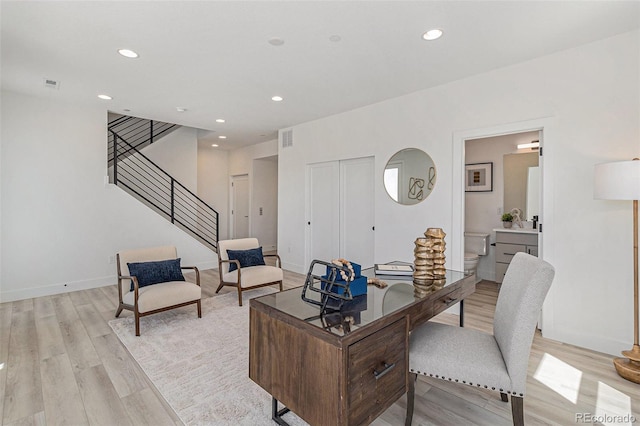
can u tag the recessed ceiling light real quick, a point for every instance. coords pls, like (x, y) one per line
(335, 38)
(276, 41)
(276, 98)
(215, 145)
(219, 120)
(128, 53)
(432, 34)
(180, 109)
(222, 137)
(105, 97)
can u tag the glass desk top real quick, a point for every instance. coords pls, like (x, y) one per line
(362, 310)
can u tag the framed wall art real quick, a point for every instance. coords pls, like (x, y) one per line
(479, 177)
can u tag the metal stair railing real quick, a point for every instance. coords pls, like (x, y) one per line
(145, 180)
(138, 132)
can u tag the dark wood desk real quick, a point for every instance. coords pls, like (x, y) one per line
(344, 368)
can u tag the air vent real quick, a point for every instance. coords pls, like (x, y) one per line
(287, 138)
(51, 84)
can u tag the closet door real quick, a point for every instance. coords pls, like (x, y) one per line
(323, 211)
(340, 211)
(357, 210)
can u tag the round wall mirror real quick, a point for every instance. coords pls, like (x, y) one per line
(409, 176)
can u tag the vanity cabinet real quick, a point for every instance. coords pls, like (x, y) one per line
(508, 243)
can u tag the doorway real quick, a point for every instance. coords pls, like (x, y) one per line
(509, 188)
(239, 206)
(546, 128)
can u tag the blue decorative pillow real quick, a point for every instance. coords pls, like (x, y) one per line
(161, 271)
(251, 257)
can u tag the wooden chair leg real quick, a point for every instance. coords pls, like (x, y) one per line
(410, 398)
(280, 285)
(137, 318)
(239, 296)
(504, 397)
(199, 309)
(220, 287)
(119, 311)
(517, 410)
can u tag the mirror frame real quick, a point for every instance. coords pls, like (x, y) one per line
(414, 183)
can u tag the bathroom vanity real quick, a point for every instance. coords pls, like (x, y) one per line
(511, 241)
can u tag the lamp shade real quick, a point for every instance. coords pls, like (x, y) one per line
(618, 180)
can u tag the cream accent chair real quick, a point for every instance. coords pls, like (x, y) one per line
(248, 277)
(154, 298)
(495, 361)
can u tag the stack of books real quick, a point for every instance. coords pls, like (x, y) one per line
(393, 269)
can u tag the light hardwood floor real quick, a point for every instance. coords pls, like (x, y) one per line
(61, 364)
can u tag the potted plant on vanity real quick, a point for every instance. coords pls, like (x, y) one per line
(507, 220)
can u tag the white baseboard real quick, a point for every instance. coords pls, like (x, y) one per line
(294, 268)
(67, 287)
(595, 343)
(210, 264)
(50, 290)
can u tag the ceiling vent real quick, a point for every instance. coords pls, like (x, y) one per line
(51, 84)
(287, 138)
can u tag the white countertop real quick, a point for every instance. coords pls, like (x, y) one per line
(517, 230)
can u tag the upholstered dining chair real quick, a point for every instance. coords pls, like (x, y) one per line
(150, 280)
(241, 265)
(495, 361)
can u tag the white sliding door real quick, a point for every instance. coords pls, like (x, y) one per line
(356, 210)
(340, 211)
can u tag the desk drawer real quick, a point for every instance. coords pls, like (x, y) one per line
(446, 301)
(505, 252)
(377, 372)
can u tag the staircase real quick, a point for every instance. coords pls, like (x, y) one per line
(135, 173)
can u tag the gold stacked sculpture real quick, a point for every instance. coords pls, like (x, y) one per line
(429, 272)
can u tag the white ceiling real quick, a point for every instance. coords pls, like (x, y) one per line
(214, 59)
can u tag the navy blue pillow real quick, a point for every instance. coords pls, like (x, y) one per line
(161, 271)
(251, 257)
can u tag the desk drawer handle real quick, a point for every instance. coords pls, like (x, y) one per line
(449, 301)
(387, 368)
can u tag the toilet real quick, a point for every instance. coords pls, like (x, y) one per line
(475, 245)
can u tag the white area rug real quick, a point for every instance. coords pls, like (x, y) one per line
(201, 365)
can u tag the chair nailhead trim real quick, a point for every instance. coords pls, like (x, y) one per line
(470, 383)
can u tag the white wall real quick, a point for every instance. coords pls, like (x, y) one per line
(213, 178)
(263, 187)
(592, 95)
(61, 224)
(265, 195)
(177, 154)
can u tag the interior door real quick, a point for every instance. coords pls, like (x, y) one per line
(357, 210)
(340, 211)
(323, 215)
(240, 206)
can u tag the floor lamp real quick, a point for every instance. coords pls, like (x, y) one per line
(621, 181)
